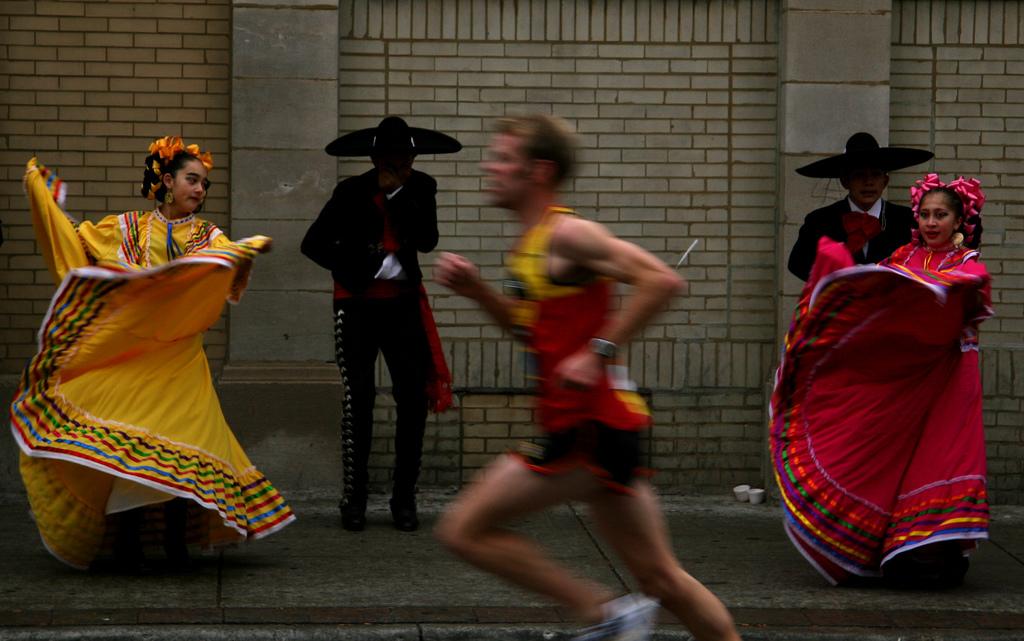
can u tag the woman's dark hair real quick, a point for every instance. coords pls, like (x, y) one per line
(152, 180)
(953, 201)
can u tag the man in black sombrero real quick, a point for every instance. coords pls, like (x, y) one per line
(871, 228)
(368, 235)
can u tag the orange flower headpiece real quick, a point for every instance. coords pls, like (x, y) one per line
(162, 151)
(170, 146)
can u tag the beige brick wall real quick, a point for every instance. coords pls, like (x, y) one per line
(676, 104)
(86, 86)
(702, 440)
(678, 116)
(676, 107)
(958, 88)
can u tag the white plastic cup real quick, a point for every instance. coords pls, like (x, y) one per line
(741, 492)
(756, 495)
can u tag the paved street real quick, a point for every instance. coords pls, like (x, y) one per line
(316, 581)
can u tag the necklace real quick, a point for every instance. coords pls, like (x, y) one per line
(928, 258)
(173, 251)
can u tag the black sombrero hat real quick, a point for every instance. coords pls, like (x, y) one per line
(393, 135)
(862, 150)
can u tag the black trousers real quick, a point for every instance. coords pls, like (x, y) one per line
(364, 328)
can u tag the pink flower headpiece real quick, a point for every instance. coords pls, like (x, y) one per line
(970, 193)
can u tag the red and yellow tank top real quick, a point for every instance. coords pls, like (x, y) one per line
(557, 319)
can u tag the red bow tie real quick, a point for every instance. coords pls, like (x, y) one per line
(860, 228)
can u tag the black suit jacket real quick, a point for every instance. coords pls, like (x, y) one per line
(346, 236)
(897, 221)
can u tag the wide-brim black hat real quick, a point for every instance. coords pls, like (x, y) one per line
(862, 150)
(393, 135)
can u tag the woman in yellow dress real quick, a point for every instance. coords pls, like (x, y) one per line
(123, 442)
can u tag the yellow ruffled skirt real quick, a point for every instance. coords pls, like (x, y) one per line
(118, 409)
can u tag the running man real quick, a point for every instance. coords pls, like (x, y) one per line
(563, 270)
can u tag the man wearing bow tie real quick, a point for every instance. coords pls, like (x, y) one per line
(869, 226)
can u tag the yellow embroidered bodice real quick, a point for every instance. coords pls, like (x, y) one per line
(137, 238)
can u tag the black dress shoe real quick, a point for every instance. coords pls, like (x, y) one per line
(403, 513)
(178, 558)
(130, 560)
(353, 516)
(934, 566)
(176, 520)
(128, 554)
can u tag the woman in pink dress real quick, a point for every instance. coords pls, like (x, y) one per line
(877, 439)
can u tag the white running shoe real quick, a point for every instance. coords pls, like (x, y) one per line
(627, 618)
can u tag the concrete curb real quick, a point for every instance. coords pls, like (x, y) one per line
(453, 633)
(216, 633)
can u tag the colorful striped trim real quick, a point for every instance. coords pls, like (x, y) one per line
(134, 237)
(960, 259)
(844, 529)
(57, 188)
(944, 279)
(130, 250)
(46, 425)
(201, 237)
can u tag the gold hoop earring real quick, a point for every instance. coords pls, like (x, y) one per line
(958, 240)
(168, 197)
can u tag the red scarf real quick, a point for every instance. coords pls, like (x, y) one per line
(439, 379)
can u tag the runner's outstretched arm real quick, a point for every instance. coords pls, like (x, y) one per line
(460, 275)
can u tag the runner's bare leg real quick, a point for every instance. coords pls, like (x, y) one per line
(636, 529)
(473, 528)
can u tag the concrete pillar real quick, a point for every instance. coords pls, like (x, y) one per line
(834, 74)
(834, 80)
(278, 389)
(285, 110)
